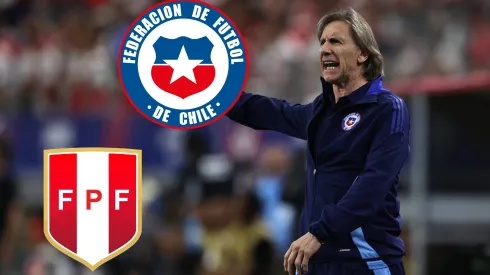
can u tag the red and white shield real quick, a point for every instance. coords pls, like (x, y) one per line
(92, 202)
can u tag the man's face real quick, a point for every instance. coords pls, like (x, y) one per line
(340, 58)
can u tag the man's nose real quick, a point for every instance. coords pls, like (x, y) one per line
(325, 50)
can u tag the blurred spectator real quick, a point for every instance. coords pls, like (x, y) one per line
(480, 39)
(253, 241)
(269, 188)
(235, 239)
(294, 188)
(9, 209)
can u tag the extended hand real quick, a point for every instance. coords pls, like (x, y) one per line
(300, 252)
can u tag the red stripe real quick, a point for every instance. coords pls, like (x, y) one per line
(122, 222)
(63, 223)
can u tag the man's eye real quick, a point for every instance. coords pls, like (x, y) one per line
(322, 41)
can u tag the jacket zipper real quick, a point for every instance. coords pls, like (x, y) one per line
(314, 189)
(314, 156)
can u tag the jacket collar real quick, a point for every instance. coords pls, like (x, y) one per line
(368, 93)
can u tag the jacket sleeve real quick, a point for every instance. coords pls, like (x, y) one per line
(388, 153)
(264, 113)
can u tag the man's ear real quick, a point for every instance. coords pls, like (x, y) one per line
(362, 58)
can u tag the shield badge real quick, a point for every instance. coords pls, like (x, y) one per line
(92, 202)
(183, 66)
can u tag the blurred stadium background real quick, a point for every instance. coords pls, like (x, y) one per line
(224, 199)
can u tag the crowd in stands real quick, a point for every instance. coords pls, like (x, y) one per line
(61, 56)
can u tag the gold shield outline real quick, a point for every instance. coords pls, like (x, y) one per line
(139, 188)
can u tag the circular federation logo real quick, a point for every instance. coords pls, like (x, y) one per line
(350, 121)
(183, 64)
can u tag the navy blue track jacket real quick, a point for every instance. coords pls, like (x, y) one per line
(356, 149)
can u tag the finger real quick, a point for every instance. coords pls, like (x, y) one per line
(291, 259)
(286, 257)
(298, 261)
(304, 263)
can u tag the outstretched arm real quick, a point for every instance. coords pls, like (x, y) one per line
(265, 113)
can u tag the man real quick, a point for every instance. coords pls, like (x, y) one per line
(358, 141)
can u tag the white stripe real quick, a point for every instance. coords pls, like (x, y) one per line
(93, 225)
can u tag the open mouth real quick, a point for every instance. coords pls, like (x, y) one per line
(329, 65)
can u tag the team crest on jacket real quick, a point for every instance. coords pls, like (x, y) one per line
(92, 202)
(182, 64)
(350, 121)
